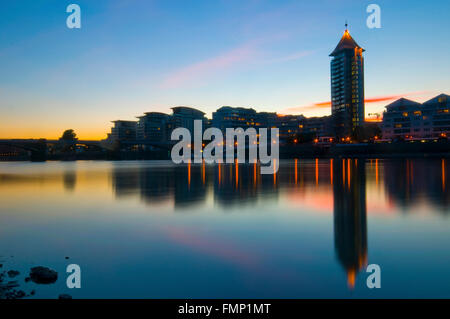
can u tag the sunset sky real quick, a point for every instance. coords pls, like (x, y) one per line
(134, 56)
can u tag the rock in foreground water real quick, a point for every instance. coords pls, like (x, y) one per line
(13, 273)
(43, 275)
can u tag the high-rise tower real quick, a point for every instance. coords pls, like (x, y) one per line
(347, 86)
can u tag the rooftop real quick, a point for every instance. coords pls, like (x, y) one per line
(346, 43)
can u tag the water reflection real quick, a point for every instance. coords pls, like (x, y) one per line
(403, 182)
(231, 184)
(350, 222)
(70, 180)
(410, 182)
(339, 193)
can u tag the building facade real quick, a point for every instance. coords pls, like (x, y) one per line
(234, 117)
(318, 126)
(154, 127)
(347, 86)
(184, 116)
(123, 131)
(290, 126)
(406, 119)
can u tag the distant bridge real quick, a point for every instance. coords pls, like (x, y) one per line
(37, 148)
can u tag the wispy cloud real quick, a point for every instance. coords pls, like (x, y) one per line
(247, 54)
(290, 57)
(201, 71)
(327, 105)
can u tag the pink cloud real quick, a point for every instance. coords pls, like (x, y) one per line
(248, 53)
(205, 69)
(327, 104)
(204, 244)
(291, 57)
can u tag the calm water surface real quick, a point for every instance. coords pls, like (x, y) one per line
(152, 229)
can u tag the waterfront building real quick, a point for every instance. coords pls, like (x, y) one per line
(123, 130)
(290, 126)
(266, 119)
(347, 86)
(234, 117)
(318, 126)
(406, 119)
(154, 127)
(184, 116)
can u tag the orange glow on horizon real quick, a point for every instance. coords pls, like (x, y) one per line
(373, 120)
(327, 104)
(98, 127)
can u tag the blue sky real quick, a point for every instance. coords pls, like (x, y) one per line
(134, 56)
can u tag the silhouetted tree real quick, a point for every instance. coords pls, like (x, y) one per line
(67, 141)
(69, 135)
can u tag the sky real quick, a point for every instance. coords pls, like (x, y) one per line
(136, 56)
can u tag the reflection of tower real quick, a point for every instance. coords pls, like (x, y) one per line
(350, 224)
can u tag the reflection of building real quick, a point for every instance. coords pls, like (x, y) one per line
(417, 180)
(347, 86)
(155, 184)
(123, 130)
(408, 119)
(350, 224)
(241, 184)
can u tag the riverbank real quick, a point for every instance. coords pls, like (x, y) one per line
(404, 149)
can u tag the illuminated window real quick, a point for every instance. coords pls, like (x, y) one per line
(405, 114)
